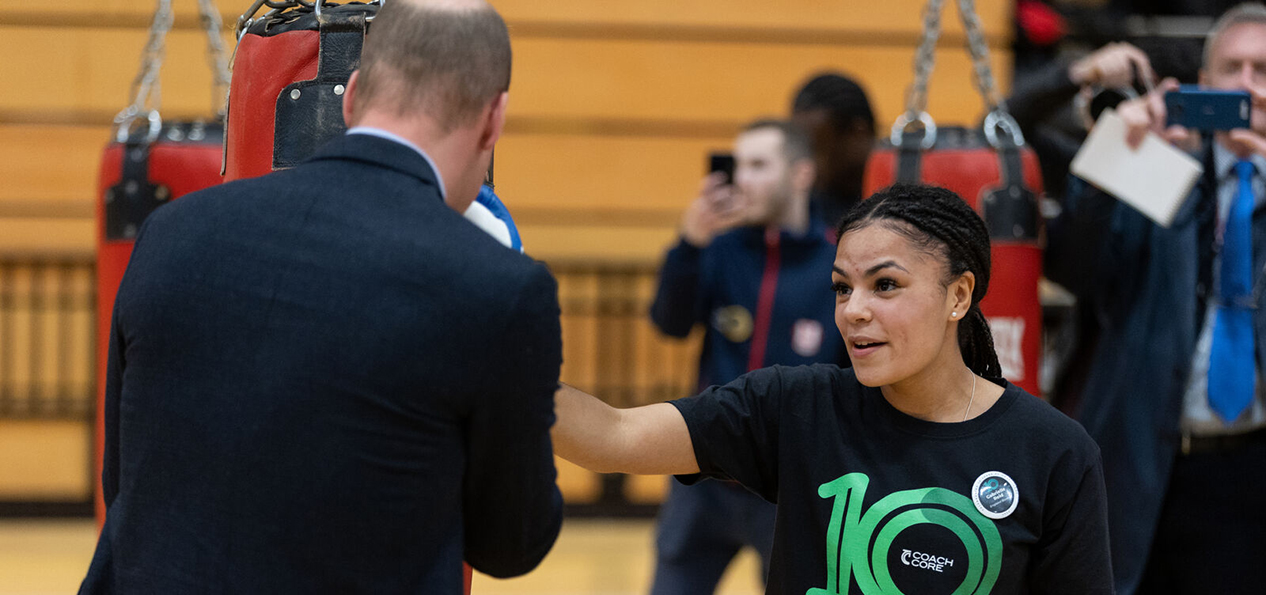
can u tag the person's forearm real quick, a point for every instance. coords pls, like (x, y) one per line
(648, 440)
(585, 429)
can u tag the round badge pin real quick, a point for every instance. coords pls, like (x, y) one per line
(995, 494)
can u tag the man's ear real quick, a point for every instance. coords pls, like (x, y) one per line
(348, 93)
(493, 121)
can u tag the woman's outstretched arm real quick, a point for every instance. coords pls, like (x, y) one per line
(650, 440)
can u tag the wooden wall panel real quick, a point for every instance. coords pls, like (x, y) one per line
(616, 86)
(882, 20)
(719, 82)
(49, 166)
(41, 459)
(87, 73)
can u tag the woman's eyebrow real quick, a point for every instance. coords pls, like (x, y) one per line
(883, 265)
(872, 270)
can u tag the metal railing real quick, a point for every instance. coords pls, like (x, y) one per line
(47, 338)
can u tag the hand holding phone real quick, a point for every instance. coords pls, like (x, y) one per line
(1202, 109)
(722, 163)
(717, 208)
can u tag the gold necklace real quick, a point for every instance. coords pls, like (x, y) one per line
(973, 396)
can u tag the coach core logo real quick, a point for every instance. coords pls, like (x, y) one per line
(922, 560)
(862, 545)
(995, 494)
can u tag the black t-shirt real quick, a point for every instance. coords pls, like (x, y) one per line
(872, 501)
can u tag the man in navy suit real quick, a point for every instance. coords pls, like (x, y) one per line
(1174, 395)
(325, 380)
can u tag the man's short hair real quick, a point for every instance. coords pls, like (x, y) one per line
(840, 96)
(1249, 12)
(795, 141)
(448, 62)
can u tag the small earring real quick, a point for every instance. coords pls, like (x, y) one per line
(954, 315)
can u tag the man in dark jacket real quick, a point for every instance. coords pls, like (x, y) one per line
(1174, 396)
(325, 380)
(753, 266)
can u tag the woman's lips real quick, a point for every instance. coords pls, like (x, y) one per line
(865, 348)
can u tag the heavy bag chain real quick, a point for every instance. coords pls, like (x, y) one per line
(217, 56)
(982, 76)
(280, 6)
(147, 86)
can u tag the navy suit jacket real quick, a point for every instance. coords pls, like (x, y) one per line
(325, 380)
(1142, 282)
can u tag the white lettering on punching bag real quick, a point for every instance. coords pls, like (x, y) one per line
(1008, 340)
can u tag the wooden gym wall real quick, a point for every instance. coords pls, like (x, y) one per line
(614, 105)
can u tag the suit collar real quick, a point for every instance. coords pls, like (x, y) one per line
(383, 152)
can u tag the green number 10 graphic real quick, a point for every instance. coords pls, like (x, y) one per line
(850, 555)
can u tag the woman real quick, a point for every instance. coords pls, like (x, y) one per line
(919, 470)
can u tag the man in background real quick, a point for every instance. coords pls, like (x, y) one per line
(835, 112)
(325, 380)
(1174, 395)
(751, 268)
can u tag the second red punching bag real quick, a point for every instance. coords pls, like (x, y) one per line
(149, 162)
(997, 174)
(290, 71)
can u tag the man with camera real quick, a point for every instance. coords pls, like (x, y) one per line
(750, 267)
(1173, 396)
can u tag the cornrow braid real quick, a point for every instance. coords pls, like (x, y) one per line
(940, 222)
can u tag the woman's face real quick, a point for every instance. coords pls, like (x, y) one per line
(892, 306)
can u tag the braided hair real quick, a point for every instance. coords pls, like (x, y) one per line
(941, 223)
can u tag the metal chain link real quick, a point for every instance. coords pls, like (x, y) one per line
(996, 117)
(982, 74)
(924, 60)
(217, 57)
(146, 87)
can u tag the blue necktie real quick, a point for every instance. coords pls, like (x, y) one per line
(1232, 370)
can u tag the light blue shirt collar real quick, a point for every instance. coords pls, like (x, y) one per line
(380, 133)
(1224, 162)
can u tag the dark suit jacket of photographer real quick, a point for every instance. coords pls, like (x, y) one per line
(1147, 285)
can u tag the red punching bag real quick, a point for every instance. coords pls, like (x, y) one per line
(290, 69)
(292, 66)
(997, 174)
(148, 163)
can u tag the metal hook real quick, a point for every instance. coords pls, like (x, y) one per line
(904, 121)
(1000, 119)
(128, 116)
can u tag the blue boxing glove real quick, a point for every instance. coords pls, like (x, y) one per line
(490, 215)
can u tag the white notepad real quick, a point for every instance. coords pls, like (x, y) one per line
(1154, 179)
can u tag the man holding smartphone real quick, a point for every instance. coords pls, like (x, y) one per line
(1174, 396)
(751, 266)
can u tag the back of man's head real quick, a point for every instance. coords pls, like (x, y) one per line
(841, 97)
(1247, 13)
(446, 58)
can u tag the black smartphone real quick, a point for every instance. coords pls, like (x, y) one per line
(724, 163)
(1208, 109)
